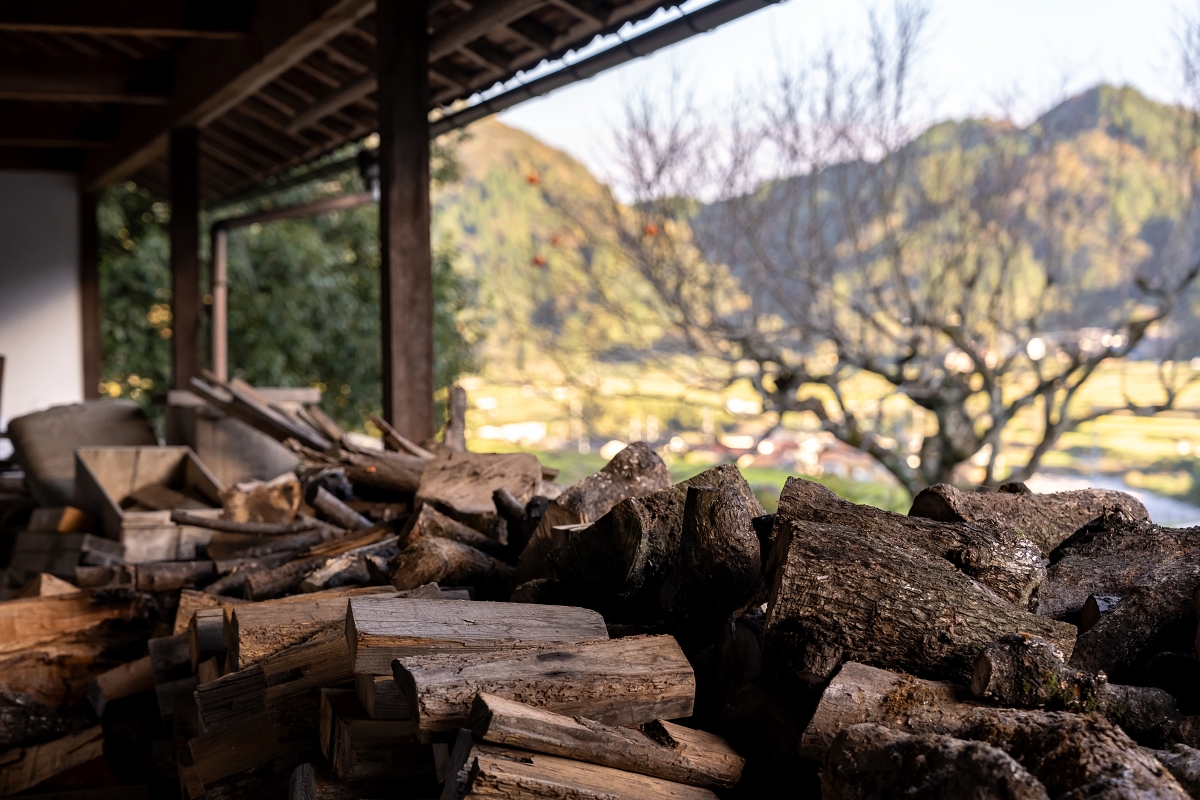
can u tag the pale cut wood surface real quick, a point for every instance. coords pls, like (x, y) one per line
(123, 681)
(626, 681)
(25, 622)
(462, 483)
(24, 767)
(191, 600)
(516, 775)
(381, 630)
(45, 585)
(662, 749)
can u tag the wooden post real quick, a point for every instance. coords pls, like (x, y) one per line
(185, 256)
(220, 302)
(89, 293)
(406, 296)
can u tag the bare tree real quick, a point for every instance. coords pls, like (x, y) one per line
(851, 268)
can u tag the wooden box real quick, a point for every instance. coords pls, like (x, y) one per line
(106, 476)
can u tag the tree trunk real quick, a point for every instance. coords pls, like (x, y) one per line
(849, 594)
(871, 762)
(1047, 519)
(998, 557)
(1075, 755)
(636, 471)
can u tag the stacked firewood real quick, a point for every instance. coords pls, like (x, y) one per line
(422, 621)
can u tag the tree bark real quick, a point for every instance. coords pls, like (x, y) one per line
(338, 512)
(432, 559)
(626, 682)
(718, 567)
(636, 471)
(847, 594)
(1047, 519)
(1073, 755)
(1183, 763)
(622, 559)
(428, 521)
(1005, 561)
(661, 749)
(871, 762)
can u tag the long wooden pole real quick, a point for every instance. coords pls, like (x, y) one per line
(89, 293)
(184, 159)
(406, 296)
(220, 303)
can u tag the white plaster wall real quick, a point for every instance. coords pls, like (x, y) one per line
(40, 328)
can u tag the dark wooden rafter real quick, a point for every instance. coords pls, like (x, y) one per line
(167, 18)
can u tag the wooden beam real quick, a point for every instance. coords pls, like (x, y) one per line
(212, 77)
(55, 125)
(486, 16)
(162, 18)
(334, 101)
(406, 274)
(89, 293)
(33, 75)
(185, 256)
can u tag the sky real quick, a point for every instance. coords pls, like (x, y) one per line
(977, 54)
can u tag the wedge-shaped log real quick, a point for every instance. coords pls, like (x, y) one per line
(45, 585)
(1073, 755)
(25, 622)
(380, 630)
(502, 774)
(1048, 519)
(660, 749)
(627, 553)
(871, 762)
(428, 521)
(25, 767)
(636, 471)
(191, 601)
(627, 681)
(1001, 559)
(432, 559)
(848, 594)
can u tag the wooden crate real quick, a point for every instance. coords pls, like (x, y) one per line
(106, 476)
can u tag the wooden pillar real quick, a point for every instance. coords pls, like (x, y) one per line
(402, 47)
(89, 293)
(184, 165)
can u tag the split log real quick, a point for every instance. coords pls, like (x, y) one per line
(253, 528)
(454, 437)
(350, 568)
(232, 698)
(1183, 763)
(338, 512)
(56, 672)
(626, 682)
(428, 521)
(460, 485)
(209, 670)
(846, 594)
(1076, 755)
(1001, 559)
(235, 748)
(1029, 672)
(317, 782)
(496, 772)
(1158, 614)
(239, 399)
(380, 630)
(660, 749)
(191, 601)
(258, 630)
(28, 621)
(45, 585)
(1095, 607)
(871, 762)
(718, 567)
(362, 748)
(636, 471)
(282, 580)
(1110, 556)
(25, 767)
(1047, 519)
(206, 633)
(625, 555)
(235, 571)
(127, 679)
(380, 697)
(166, 576)
(432, 559)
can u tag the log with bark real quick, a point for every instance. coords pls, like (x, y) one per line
(635, 471)
(871, 762)
(847, 594)
(1047, 519)
(1073, 755)
(121, 681)
(28, 621)
(428, 521)
(379, 469)
(380, 696)
(433, 559)
(380, 630)
(362, 748)
(338, 512)
(660, 749)
(1000, 558)
(460, 485)
(626, 682)
(276, 501)
(620, 562)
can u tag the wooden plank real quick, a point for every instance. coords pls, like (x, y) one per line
(406, 292)
(672, 752)
(184, 157)
(380, 630)
(159, 18)
(626, 681)
(25, 767)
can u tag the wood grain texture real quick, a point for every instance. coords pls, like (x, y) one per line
(380, 630)
(461, 484)
(626, 682)
(25, 767)
(122, 681)
(28, 621)
(432, 559)
(380, 697)
(1000, 558)
(661, 749)
(849, 594)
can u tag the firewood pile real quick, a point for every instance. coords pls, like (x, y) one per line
(421, 621)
